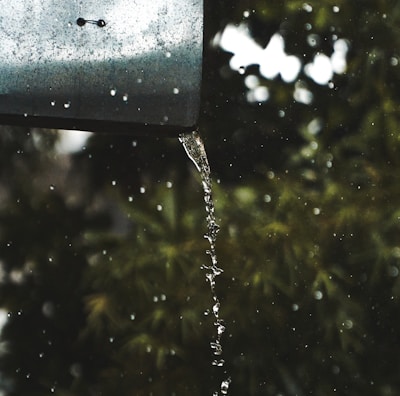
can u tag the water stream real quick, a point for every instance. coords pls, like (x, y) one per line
(195, 150)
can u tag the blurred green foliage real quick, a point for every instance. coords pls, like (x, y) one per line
(101, 250)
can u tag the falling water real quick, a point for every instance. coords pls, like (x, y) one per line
(195, 150)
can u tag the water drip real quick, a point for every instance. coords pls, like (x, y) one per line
(195, 150)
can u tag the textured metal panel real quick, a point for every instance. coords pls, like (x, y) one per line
(127, 61)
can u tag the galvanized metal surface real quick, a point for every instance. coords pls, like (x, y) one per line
(124, 61)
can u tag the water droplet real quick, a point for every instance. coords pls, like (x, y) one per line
(111, 339)
(125, 97)
(48, 309)
(316, 211)
(53, 103)
(76, 370)
(114, 183)
(175, 91)
(242, 70)
(318, 295)
(133, 316)
(67, 105)
(335, 9)
(155, 299)
(220, 329)
(215, 308)
(295, 307)
(396, 252)
(52, 187)
(217, 271)
(139, 80)
(348, 324)
(142, 190)
(216, 347)
(41, 354)
(163, 297)
(113, 91)
(267, 198)
(159, 208)
(225, 386)
(393, 271)
(169, 184)
(210, 277)
(130, 198)
(168, 54)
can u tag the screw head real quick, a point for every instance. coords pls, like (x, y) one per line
(80, 22)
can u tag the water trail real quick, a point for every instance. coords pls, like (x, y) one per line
(195, 150)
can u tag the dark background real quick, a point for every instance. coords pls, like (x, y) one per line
(103, 290)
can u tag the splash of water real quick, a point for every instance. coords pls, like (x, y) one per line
(195, 150)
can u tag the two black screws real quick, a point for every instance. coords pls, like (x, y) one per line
(82, 22)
